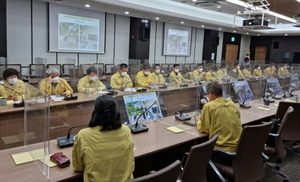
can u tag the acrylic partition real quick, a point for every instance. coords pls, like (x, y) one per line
(38, 69)
(37, 127)
(134, 66)
(3, 66)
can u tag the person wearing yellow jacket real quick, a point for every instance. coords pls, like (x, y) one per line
(143, 78)
(198, 74)
(212, 75)
(246, 72)
(271, 70)
(121, 78)
(104, 150)
(220, 117)
(175, 76)
(157, 78)
(54, 85)
(90, 81)
(257, 71)
(283, 70)
(11, 80)
(237, 72)
(222, 73)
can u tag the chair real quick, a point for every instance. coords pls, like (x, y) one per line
(56, 66)
(17, 67)
(67, 68)
(197, 161)
(100, 68)
(84, 67)
(108, 68)
(167, 174)
(247, 163)
(279, 148)
(37, 70)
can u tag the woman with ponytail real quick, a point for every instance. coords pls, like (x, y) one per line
(104, 150)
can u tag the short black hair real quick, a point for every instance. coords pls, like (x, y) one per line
(247, 66)
(215, 89)
(9, 72)
(106, 114)
(146, 66)
(235, 64)
(256, 66)
(213, 68)
(122, 66)
(271, 64)
(154, 66)
(200, 65)
(174, 65)
(223, 66)
(91, 69)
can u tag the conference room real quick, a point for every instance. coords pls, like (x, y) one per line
(72, 36)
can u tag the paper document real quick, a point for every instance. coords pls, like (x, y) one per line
(57, 97)
(103, 92)
(130, 90)
(174, 129)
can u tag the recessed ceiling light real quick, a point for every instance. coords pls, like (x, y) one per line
(157, 18)
(87, 5)
(269, 20)
(234, 31)
(258, 35)
(219, 6)
(220, 28)
(182, 22)
(286, 34)
(247, 33)
(202, 25)
(194, 0)
(126, 12)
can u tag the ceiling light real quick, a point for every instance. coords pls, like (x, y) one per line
(298, 1)
(220, 28)
(247, 33)
(258, 35)
(182, 22)
(157, 18)
(234, 31)
(126, 12)
(58, 1)
(194, 0)
(219, 7)
(286, 34)
(269, 20)
(202, 25)
(87, 5)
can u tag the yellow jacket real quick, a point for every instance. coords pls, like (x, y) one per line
(18, 87)
(283, 71)
(221, 117)
(257, 72)
(238, 74)
(105, 156)
(269, 71)
(117, 80)
(85, 83)
(211, 77)
(157, 79)
(55, 89)
(142, 80)
(247, 73)
(197, 75)
(222, 74)
(176, 78)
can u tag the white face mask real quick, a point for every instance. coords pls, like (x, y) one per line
(93, 78)
(258, 68)
(200, 70)
(55, 79)
(224, 70)
(124, 73)
(12, 81)
(238, 67)
(147, 72)
(176, 70)
(213, 73)
(157, 71)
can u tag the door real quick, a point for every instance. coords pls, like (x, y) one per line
(231, 54)
(260, 54)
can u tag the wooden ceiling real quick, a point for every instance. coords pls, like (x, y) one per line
(288, 8)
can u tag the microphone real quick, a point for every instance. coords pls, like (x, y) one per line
(67, 141)
(21, 104)
(243, 104)
(275, 96)
(69, 98)
(182, 116)
(140, 127)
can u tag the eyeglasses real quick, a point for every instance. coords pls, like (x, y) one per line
(207, 93)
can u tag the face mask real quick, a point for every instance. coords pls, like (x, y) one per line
(258, 68)
(147, 72)
(200, 70)
(213, 73)
(157, 71)
(124, 73)
(238, 67)
(273, 68)
(176, 70)
(55, 79)
(224, 70)
(93, 78)
(12, 81)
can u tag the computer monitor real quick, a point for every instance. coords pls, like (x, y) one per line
(136, 104)
(243, 91)
(274, 86)
(294, 82)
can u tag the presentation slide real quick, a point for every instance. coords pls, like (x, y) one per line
(177, 40)
(78, 33)
(76, 30)
(274, 84)
(137, 104)
(243, 91)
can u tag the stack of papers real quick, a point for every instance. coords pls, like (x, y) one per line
(57, 97)
(130, 90)
(25, 157)
(174, 129)
(103, 92)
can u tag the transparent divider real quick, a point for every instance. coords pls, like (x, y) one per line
(36, 127)
(3, 66)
